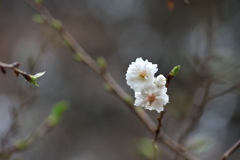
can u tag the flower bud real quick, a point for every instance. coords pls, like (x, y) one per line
(160, 80)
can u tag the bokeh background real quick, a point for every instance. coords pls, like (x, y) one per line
(203, 113)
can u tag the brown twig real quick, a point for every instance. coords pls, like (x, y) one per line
(231, 150)
(157, 132)
(76, 48)
(15, 67)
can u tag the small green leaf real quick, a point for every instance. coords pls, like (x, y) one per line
(37, 18)
(67, 42)
(38, 75)
(57, 112)
(101, 62)
(38, 2)
(175, 70)
(78, 57)
(22, 143)
(128, 99)
(57, 24)
(107, 87)
(34, 78)
(145, 148)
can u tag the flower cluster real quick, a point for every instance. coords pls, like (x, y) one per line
(150, 91)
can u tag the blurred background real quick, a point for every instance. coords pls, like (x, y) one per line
(203, 113)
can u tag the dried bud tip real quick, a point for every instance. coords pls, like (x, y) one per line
(16, 64)
(3, 70)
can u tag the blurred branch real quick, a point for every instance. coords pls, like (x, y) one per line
(231, 150)
(82, 56)
(50, 122)
(224, 92)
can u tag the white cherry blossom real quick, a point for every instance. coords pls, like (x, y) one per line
(140, 74)
(152, 98)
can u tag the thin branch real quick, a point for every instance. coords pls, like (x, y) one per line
(157, 132)
(231, 150)
(116, 88)
(14, 66)
(224, 92)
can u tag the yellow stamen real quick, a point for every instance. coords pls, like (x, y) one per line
(142, 75)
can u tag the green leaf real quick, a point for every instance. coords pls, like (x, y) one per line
(38, 2)
(37, 18)
(175, 70)
(57, 24)
(34, 78)
(145, 148)
(22, 143)
(101, 62)
(128, 99)
(38, 75)
(78, 57)
(57, 112)
(107, 87)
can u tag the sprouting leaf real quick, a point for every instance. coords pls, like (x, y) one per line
(57, 24)
(57, 112)
(175, 70)
(23, 143)
(37, 18)
(38, 75)
(107, 87)
(145, 148)
(78, 57)
(128, 99)
(33, 78)
(101, 62)
(38, 2)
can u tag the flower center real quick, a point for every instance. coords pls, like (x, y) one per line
(151, 98)
(142, 75)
